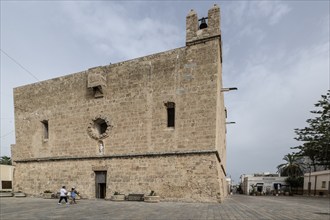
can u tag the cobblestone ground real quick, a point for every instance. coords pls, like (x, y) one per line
(234, 207)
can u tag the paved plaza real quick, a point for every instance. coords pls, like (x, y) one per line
(234, 207)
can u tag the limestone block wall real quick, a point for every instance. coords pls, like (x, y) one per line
(193, 33)
(116, 116)
(185, 178)
(133, 103)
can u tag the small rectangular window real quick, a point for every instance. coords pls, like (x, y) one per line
(170, 117)
(323, 184)
(45, 128)
(6, 184)
(170, 106)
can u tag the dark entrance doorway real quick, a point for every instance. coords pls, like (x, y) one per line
(100, 184)
(260, 187)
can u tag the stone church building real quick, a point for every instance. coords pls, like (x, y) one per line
(152, 123)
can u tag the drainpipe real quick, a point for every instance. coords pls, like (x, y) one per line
(315, 185)
(309, 181)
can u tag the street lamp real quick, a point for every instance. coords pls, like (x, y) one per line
(309, 180)
(228, 89)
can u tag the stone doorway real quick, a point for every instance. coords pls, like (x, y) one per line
(100, 184)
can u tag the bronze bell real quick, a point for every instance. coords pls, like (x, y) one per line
(203, 23)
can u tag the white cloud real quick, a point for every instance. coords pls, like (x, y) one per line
(270, 11)
(275, 96)
(253, 32)
(235, 13)
(250, 25)
(279, 10)
(256, 11)
(111, 28)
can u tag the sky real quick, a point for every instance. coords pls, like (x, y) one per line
(275, 52)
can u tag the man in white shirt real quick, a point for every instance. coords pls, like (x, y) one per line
(63, 195)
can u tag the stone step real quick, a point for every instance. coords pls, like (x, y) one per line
(19, 194)
(6, 194)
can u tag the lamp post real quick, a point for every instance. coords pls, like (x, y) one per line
(228, 89)
(309, 180)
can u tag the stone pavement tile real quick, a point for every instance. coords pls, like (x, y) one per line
(284, 207)
(234, 208)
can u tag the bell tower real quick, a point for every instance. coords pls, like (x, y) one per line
(203, 29)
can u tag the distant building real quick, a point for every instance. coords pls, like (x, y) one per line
(317, 183)
(6, 177)
(229, 184)
(155, 123)
(264, 183)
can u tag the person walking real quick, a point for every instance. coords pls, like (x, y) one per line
(74, 193)
(63, 195)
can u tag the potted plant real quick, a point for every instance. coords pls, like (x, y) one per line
(253, 192)
(152, 197)
(118, 197)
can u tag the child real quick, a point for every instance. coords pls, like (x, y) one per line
(74, 193)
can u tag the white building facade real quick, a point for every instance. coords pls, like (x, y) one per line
(6, 177)
(317, 183)
(264, 184)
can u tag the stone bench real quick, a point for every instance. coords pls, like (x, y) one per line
(152, 199)
(135, 197)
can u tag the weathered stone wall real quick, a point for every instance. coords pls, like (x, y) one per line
(133, 102)
(184, 178)
(193, 33)
(130, 98)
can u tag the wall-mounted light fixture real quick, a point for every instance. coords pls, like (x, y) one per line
(228, 89)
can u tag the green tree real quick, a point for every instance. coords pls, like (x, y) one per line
(295, 182)
(292, 166)
(316, 136)
(5, 160)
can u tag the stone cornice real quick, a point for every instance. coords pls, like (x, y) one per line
(115, 156)
(202, 40)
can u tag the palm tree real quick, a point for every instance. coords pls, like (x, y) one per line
(5, 160)
(292, 167)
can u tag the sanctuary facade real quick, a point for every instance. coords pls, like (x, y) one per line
(154, 123)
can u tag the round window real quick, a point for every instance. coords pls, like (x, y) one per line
(99, 128)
